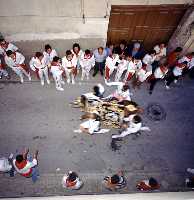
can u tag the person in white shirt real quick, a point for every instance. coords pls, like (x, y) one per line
(121, 93)
(69, 63)
(49, 53)
(111, 64)
(57, 71)
(148, 59)
(39, 64)
(158, 74)
(77, 53)
(15, 61)
(87, 62)
(131, 69)
(133, 126)
(72, 181)
(160, 51)
(122, 67)
(5, 46)
(175, 74)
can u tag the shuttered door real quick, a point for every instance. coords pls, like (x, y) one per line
(147, 24)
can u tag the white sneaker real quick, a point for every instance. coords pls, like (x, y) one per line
(42, 83)
(62, 82)
(60, 89)
(175, 81)
(73, 82)
(29, 78)
(68, 81)
(167, 87)
(88, 78)
(48, 82)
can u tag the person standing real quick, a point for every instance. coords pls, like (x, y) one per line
(69, 63)
(100, 57)
(5, 46)
(39, 65)
(27, 166)
(49, 53)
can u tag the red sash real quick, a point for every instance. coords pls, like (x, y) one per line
(107, 73)
(21, 166)
(129, 76)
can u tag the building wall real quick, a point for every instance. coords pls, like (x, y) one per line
(28, 20)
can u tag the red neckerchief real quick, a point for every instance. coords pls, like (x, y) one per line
(163, 69)
(87, 56)
(71, 184)
(55, 63)
(14, 56)
(21, 165)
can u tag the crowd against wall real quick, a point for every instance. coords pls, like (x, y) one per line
(123, 66)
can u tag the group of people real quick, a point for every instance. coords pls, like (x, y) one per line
(123, 63)
(120, 66)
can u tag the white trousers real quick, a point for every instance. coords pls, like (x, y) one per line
(20, 71)
(118, 75)
(43, 74)
(58, 81)
(85, 72)
(70, 76)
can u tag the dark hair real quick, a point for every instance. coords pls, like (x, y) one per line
(72, 176)
(115, 50)
(56, 59)
(137, 119)
(68, 52)
(47, 46)
(178, 49)
(184, 63)
(38, 54)
(76, 45)
(153, 182)
(96, 91)
(192, 53)
(137, 57)
(125, 87)
(87, 51)
(123, 42)
(115, 179)
(152, 52)
(19, 158)
(100, 48)
(9, 52)
(2, 40)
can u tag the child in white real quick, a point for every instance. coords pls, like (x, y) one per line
(3, 71)
(57, 70)
(72, 181)
(122, 66)
(110, 65)
(135, 125)
(87, 61)
(131, 69)
(15, 61)
(69, 63)
(39, 64)
(148, 59)
(49, 53)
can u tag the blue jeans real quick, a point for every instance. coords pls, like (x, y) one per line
(35, 173)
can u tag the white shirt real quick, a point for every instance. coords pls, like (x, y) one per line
(159, 74)
(143, 75)
(159, 52)
(27, 168)
(177, 71)
(78, 184)
(67, 64)
(56, 70)
(191, 63)
(92, 125)
(111, 62)
(87, 62)
(77, 57)
(122, 66)
(131, 67)
(148, 60)
(19, 59)
(49, 57)
(35, 63)
(10, 46)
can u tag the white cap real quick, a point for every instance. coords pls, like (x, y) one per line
(136, 45)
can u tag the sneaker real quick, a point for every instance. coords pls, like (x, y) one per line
(175, 81)
(22, 80)
(62, 82)
(42, 83)
(73, 82)
(60, 89)
(167, 87)
(29, 78)
(68, 81)
(88, 78)
(48, 82)
(1, 77)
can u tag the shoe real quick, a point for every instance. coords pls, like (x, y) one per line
(73, 82)
(88, 78)
(68, 81)
(175, 81)
(42, 83)
(1, 77)
(150, 92)
(29, 78)
(60, 89)
(62, 82)
(22, 80)
(167, 87)
(48, 82)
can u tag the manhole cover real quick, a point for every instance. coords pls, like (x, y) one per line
(155, 112)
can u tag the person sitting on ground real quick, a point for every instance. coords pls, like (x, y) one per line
(147, 185)
(72, 181)
(115, 182)
(26, 165)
